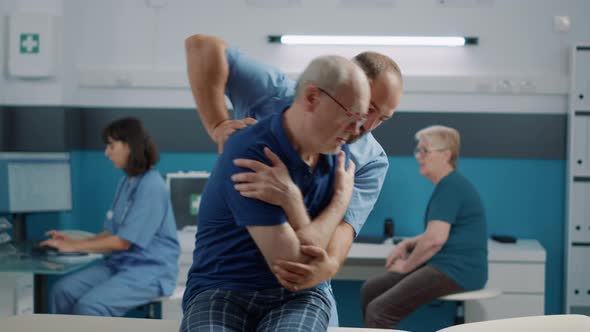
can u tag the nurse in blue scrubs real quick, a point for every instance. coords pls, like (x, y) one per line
(140, 235)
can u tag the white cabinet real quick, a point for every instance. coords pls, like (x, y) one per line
(518, 270)
(577, 242)
(172, 306)
(16, 293)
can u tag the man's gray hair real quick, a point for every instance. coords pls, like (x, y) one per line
(327, 72)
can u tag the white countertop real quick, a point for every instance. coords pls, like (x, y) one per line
(523, 250)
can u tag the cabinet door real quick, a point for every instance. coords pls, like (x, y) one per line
(578, 285)
(580, 158)
(579, 228)
(505, 306)
(581, 88)
(517, 277)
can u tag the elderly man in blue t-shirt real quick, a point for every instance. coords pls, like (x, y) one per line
(256, 91)
(230, 285)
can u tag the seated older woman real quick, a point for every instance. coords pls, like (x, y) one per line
(450, 256)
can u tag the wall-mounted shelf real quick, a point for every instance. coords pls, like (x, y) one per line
(176, 78)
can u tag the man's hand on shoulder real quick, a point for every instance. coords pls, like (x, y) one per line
(270, 184)
(225, 128)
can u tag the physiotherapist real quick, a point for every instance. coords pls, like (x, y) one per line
(140, 235)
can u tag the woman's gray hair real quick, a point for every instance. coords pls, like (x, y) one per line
(442, 137)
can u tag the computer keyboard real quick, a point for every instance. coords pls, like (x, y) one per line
(37, 248)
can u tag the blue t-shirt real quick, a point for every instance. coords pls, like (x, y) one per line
(257, 90)
(464, 257)
(225, 255)
(142, 215)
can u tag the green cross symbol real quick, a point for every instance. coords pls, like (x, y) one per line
(29, 43)
(195, 201)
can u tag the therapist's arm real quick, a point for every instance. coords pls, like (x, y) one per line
(208, 72)
(273, 185)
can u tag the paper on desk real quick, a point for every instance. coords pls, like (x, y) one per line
(371, 250)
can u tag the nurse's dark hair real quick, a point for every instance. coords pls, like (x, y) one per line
(143, 153)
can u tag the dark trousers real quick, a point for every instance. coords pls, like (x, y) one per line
(389, 297)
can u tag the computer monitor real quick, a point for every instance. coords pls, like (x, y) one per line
(34, 182)
(186, 189)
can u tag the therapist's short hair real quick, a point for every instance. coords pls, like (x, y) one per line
(143, 153)
(374, 64)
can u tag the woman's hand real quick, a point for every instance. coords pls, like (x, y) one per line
(57, 235)
(399, 266)
(61, 244)
(270, 184)
(399, 252)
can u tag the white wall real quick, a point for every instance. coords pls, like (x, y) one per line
(121, 43)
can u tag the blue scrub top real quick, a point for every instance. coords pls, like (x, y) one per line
(257, 90)
(142, 215)
(225, 255)
(464, 257)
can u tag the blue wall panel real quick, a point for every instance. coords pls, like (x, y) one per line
(524, 198)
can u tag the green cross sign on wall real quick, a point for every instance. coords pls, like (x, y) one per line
(29, 43)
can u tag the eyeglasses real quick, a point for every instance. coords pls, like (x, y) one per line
(423, 151)
(359, 119)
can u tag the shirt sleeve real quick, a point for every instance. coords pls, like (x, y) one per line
(444, 204)
(371, 168)
(251, 84)
(145, 216)
(246, 211)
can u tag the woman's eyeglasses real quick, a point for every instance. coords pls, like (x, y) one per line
(424, 151)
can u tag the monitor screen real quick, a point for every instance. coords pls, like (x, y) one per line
(35, 182)
(185, 192)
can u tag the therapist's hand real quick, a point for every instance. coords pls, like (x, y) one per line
(270, 184)
(226, 128)
(298, 276)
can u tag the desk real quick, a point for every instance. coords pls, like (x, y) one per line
(517, 269)
(40, 267)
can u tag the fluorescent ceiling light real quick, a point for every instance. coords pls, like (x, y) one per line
(372, 40)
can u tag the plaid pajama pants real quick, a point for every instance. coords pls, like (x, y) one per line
(266, 310)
